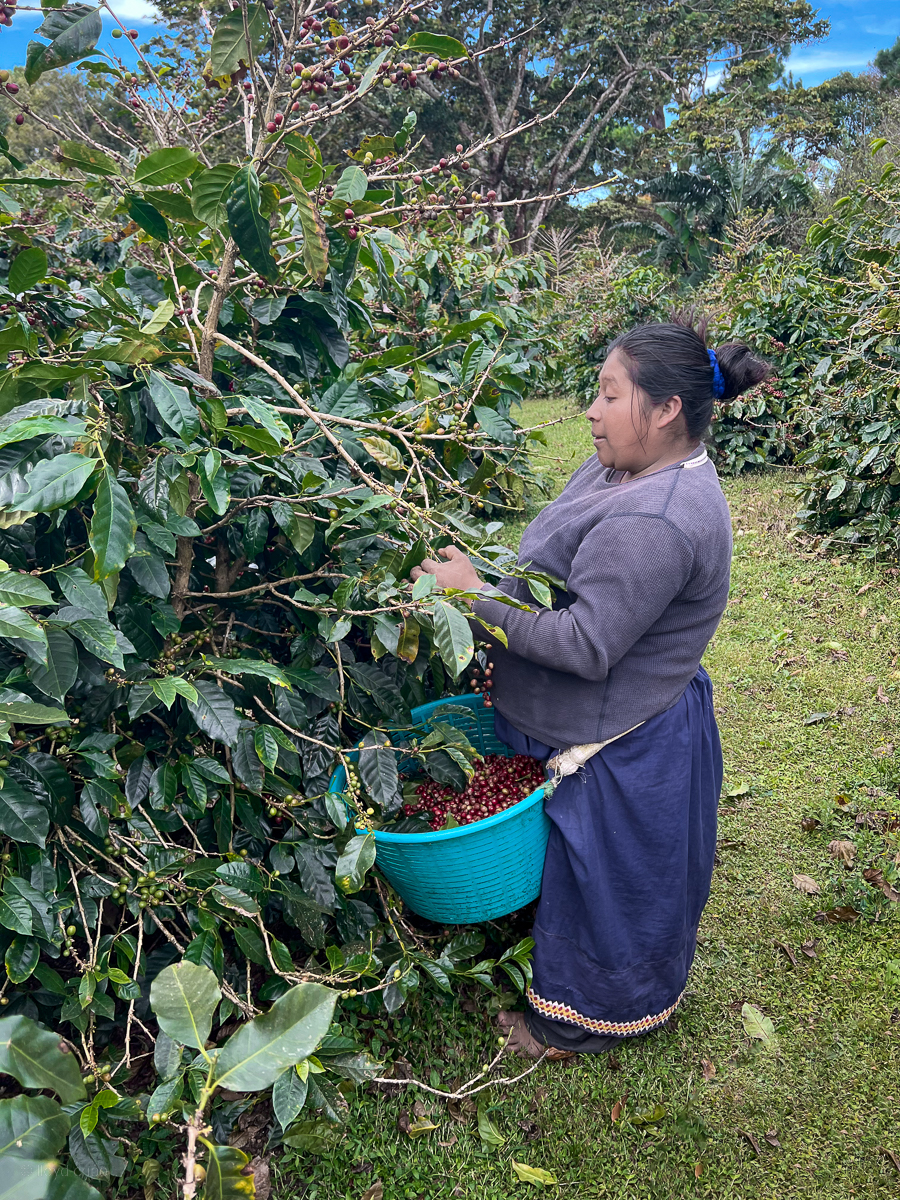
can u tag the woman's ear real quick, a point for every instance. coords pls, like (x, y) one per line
(667, 412)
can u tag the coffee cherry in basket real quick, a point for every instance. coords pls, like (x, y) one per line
(497, 784)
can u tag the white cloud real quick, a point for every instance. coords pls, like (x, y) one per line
(138, 12)
(826, 60)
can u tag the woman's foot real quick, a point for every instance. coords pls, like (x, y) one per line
(521, 1043)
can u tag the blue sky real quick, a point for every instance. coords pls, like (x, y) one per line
(859, 28)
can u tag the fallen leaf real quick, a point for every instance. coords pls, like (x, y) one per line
(843, 914)
(809, 948)
(419, 1110)
(741, 789)
(772, 1139)
(488, 1132)
(698, 1170)
(757, 1024)
(881, 695)
(650, 1116)
(893, 1156)
(753, 1142)
(789, 952)
(375, 1192)
(420, 1126)
(879, 820)
(535, 1175)
(807, 885)
(262, 1177)
(866, 587)
(844, 850)
(876, 878)
(447, 1145)
(617, 1108)
(613, 1063)
(885, 751)
(808, 824)
(531, 1130)
(708, 1068)
(461, 1110)
(818, 718)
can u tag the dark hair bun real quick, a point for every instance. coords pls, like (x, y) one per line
(672, 359)
(740, 368)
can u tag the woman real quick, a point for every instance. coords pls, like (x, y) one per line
(642, 536)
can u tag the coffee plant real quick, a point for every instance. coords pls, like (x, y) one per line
(246, 391)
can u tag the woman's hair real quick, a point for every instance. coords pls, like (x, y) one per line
(672, 360)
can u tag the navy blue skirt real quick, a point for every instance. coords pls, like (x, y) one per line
(627, 874)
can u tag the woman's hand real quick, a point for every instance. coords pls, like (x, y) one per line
(457, 573)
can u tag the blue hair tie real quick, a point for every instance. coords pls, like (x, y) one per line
(718, 377)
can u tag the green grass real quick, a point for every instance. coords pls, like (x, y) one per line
(798, 639)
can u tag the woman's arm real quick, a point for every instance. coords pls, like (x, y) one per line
(624, 576)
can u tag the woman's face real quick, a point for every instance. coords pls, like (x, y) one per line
(626, 436)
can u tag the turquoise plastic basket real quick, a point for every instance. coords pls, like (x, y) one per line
(476, 872)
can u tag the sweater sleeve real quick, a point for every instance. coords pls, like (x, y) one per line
(626, 573)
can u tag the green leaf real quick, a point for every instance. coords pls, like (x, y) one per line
(37, 1058)
(148, 216)
(113, 527)
(166, 1056)
(248, 227)
(21, 590)
(229, 46)
(289, 1096)
(28, 268)
(77, 587)
(266, 746)
(250, 666)
(66, 1185)
(453, 637)
(169, 165)
(22, 818)
(87, 159)
(175, 406)
(378, 769)
(355, 860)
(227, 1173)
(214, 482)
(24, 1179)
(490, 1135)
(96, 634)
(352, 185)
(384, 452)
(315, 237)
(437, 44)
(536, 1175)
(371, 72)
(208, 191)
(73, 31)
(214, 713)
(23, 712)
(268, 417)
(21, 959)
(256, 1055)
(15, 623)
(184, 998)
(299, 529)
(32, 1127)
(37, 426)
(55, 482)
(756, 1024)
(494, 425)
(162, 315)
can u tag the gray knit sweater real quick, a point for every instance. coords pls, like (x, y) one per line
(647, 565)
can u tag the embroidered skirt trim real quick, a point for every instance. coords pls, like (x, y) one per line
(562, 1012)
